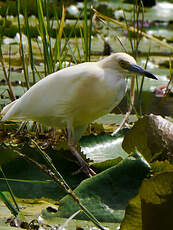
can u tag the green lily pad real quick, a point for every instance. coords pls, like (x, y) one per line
(162, 32)
(112, 118)
(103, 147)
(21, 171)
(106, 195)
(6, 154)
(28, 181)
(163, 9)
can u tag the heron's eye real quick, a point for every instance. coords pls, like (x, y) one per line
(124, 64)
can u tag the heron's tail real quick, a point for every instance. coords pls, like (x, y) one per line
(6, 109)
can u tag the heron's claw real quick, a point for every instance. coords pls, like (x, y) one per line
(85, 169)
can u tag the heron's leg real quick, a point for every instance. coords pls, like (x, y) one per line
(21, 128)
(84, 165)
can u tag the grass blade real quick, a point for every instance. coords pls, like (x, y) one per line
(8, 204)
(10, 190)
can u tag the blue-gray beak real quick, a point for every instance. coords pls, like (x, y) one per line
(139, 70)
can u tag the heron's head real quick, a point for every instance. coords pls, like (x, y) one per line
(126, 65)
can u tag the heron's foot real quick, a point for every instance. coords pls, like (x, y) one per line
(81, 162)
(85, 169)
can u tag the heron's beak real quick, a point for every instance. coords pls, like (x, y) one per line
(139, 70)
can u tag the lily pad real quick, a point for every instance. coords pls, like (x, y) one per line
(112, 118)
(29, 182)
(163, 9)
(106, 195)
(103, 147)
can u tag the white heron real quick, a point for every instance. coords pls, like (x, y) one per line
(73, 97)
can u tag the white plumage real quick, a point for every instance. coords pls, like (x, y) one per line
(75, 96)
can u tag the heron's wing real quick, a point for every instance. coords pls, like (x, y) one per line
(6, 108)
(51, 96)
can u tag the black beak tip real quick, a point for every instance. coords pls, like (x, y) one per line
(150, 75)
(155, 78)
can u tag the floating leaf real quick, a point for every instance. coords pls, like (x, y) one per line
(106, 164)
(6, 154)
(112, 118)
(103, 147)
(29, 187)
(106, 195)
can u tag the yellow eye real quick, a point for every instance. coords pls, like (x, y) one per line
(124, 64)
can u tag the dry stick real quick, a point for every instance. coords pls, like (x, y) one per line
(133, 29)
(56, 176)
(94, 20)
